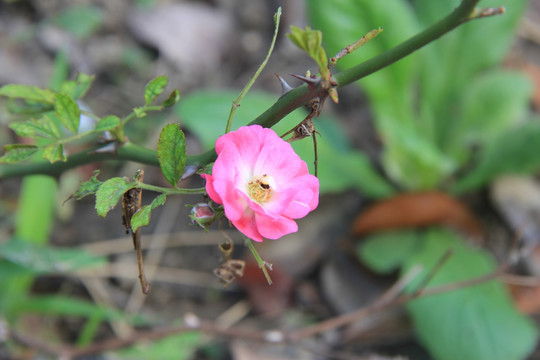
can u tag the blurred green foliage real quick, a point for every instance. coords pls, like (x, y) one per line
(448, 109)
(437, 108)
(470, 323)
(80, 20)
(203, 112)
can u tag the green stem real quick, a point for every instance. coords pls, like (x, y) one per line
(262, 264)
(459, 16)
(171, 191)
(236, 103)
(284, 105)
(126, 152)
(89, 114)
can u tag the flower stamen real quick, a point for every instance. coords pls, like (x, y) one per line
(259, 189)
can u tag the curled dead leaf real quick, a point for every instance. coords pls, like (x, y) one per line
(421, 209)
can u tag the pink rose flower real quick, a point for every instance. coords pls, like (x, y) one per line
(261, 182)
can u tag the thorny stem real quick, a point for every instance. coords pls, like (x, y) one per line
(284, 105)
(171, 191)
(126, 152)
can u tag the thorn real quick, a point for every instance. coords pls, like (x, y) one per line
(311, 81)
(285, 87)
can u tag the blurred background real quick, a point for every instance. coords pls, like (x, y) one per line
(442, 147)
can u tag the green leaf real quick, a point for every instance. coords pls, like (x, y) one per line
(54, 153)
(47, 259)
(142, 217)
(173, 98)
(66, 306)
(43, 127)
(311, 42)
(386, 252)
(478, 322)
(171, 151)
(108, 123)
(10, 271)
(515, 152)
(110, 192)
(88, 187)
(344, 22)
(175, 347)
(451, 64)
(353, 170)
(17, 152)
(78, 88)
(154, 88)
(470, 52)
(410, 158)
(29, 93)
(67, 111)
(492, 103)
(80, 20)
(28, 107)
(205, 113)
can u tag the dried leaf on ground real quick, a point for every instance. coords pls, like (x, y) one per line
(416, 210)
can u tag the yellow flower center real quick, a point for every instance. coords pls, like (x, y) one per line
(259, 189)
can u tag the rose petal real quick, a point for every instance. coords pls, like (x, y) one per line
(281, 162)
(252, 152)
(306, 197)
(274, 229)
(210, 188)
(247, 140)
(246, 224)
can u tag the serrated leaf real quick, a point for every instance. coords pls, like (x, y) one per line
(297, 37)
(171, 151)
(173, 98)
(42, 127)
(77, 88)
(109, 193)
(54, 153)
(154, 88)
(386, 252)
(29, 93)
(310, 41)
(515, 152)
(28, 107)
(108, 123)
(88, 187)
(471, 323)
(17, 152)
(142, 217)
(67, 111)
